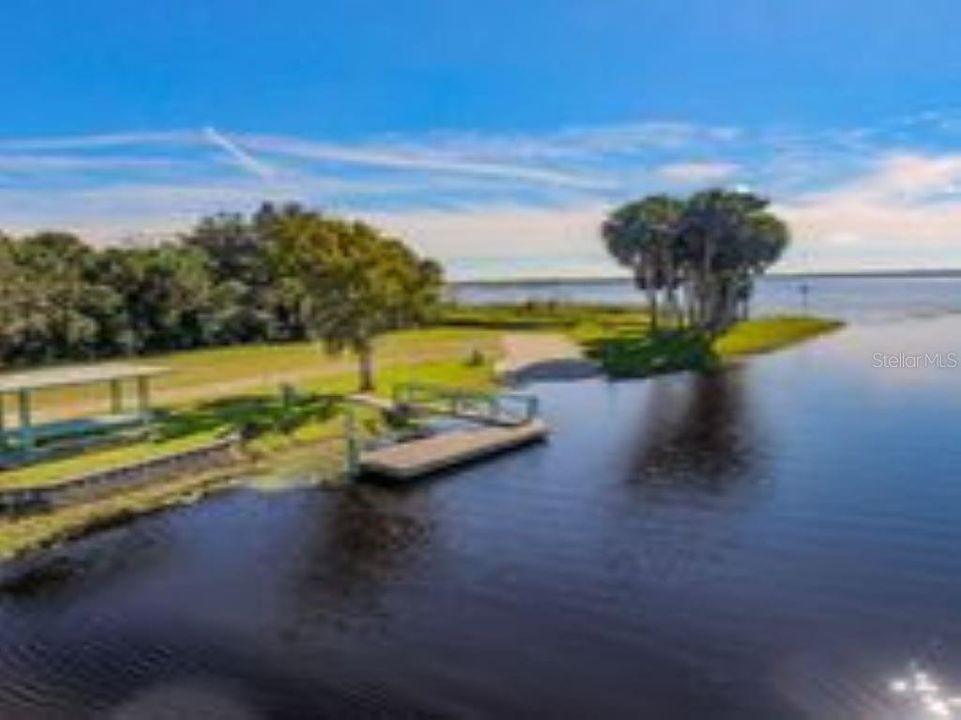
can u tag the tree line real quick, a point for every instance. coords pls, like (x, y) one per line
(287, 273)
(697, 258)
(282, 273)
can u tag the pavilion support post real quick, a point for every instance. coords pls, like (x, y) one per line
(116, 397)
(27, 439)
(143, 397)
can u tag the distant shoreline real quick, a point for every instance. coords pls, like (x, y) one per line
(614, 280)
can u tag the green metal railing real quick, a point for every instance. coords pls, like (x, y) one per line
(498, 408)
(486, 407)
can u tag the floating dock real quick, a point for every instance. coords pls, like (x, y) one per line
(415, 458)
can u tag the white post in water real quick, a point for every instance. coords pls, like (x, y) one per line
(352, 460)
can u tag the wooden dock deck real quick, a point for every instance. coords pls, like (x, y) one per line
(422, 457)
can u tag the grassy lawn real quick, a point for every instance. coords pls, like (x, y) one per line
(55, 472)
(277, 427)
(772, 333)
(267, 365)
(201, 375)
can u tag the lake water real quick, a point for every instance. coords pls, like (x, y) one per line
(863, 299)
(780, 540)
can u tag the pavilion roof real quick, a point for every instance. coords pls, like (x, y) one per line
(75, 375)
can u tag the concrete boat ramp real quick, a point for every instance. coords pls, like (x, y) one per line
(543, 356)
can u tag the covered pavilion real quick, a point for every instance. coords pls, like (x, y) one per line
(20, 388)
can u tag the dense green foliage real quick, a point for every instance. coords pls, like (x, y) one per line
(698, 256)
(634, 355)
(631, 354)
(357, 283)
(219, 284)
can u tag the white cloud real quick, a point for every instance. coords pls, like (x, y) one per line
(34, 163)
(106, 140)
(417, 161)
(507, 241)
(240, 157)
(695, 173)
(904, 212)
(116, 211)
(905, 175)
(504, 203)
(504, 232)
(663, 135)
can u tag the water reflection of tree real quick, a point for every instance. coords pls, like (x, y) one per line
(699, 432)
(359, 545)
(696, 465)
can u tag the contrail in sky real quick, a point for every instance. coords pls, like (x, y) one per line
(240, 156)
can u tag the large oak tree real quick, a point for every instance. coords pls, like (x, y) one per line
(359, 283)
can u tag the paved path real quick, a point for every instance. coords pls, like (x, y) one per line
(543, 356)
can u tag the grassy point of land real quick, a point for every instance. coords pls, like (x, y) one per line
(763, 335)
(620, 337)
(631, 354)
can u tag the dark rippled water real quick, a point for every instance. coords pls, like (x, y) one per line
(781, 540)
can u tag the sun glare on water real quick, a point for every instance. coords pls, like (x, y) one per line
(922, 692)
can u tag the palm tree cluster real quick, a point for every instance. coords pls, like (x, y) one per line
(696, 258)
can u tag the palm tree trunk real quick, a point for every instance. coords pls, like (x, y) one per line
(708, 286)
(646, 277)
(670, 288)
(670, 300)
(655, 324)
(691, 299)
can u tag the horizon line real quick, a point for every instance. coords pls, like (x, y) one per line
(787, 275)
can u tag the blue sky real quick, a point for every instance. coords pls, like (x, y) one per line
(494, 135)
